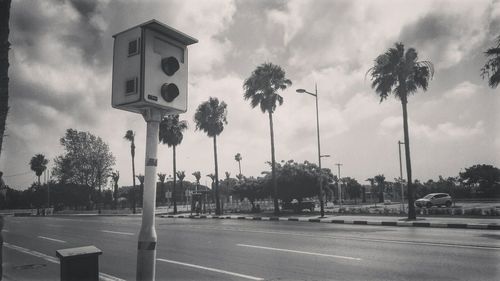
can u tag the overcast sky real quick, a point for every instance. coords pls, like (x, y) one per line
(60, 78)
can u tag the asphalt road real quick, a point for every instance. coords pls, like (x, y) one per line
(191, 249)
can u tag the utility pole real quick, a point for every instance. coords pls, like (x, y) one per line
(339, 188)
(401, 177)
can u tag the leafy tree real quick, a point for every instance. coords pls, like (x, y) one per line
(353, 188)
(130, 136)
(4, 67)
(380, 180)
(238, 159)
(162, 178)
(299, 180)
(400, 73)
(38, 164)
(210, 117)
(115, 176)
(485, 177)
(252, 189)
(171, 134)
(261, 89)
(87, 160)
(491, 68)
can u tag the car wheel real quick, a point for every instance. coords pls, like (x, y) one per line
(428, 205)
(448, 204)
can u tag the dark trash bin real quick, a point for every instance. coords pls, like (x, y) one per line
(79, 264)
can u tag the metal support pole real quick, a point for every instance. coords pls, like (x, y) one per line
(146, 248)
(338, 185)
(401, 177)
(321, 199)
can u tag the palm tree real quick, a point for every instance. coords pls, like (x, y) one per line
(115, 176)
(130, 136)
(181, 175)
(162, 178)
(4, 66)
(212, 177)
(261, 89)
(238, 159)
(197, 175)
(210, 117)
(491, 68)
(399, 72)
(140, 177)
(171, 134)
(38, 165)
(380, 180)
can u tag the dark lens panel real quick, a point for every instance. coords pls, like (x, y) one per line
(170, 65)
(169, 92)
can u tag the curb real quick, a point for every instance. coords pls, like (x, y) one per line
(340, 221)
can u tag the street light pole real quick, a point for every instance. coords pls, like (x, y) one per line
(321, 201)
(339, 188)
(401, 176)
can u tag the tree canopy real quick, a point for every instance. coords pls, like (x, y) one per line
(87, 160)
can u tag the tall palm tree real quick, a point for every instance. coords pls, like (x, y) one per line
(400, 73)
(115, 176)
(162, 178)
(210, 117)
(491, 68)
(238, 159)
(212, 177)
(4, 65)
(261, 89)
(171, 134)
(38, 165)
(380, 180)
(130, 136)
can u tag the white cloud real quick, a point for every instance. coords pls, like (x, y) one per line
(463, 91)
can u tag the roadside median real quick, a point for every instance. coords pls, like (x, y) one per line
(461, 223)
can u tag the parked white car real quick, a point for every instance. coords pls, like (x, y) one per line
(434, 199)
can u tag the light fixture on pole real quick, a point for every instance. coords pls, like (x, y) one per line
(321, 201)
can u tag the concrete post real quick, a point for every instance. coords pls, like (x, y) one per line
(146, 248)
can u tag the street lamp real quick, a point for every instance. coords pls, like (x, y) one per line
(315, 94)
(401, 176)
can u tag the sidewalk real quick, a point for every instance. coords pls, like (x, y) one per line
(441, 222)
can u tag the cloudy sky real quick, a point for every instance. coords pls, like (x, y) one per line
(60, 78)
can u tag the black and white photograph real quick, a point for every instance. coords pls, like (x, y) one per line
(249, 140)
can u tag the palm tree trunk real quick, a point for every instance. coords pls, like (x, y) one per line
(411, 206)
(217, 201)
(132, 152)
(273, 168)
(173, 187)
(4, 66)
(239, 165)
(39, 183)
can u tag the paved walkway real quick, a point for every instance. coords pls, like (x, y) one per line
(442, 222)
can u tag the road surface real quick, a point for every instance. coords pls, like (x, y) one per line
(197, 249)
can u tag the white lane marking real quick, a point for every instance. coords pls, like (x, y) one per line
(102, 276)
(298, 252)
(51, 239)
(212, 269)
(117, 232)
(438, 244)
(31, 252)
(5, 230)
(55, 225)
